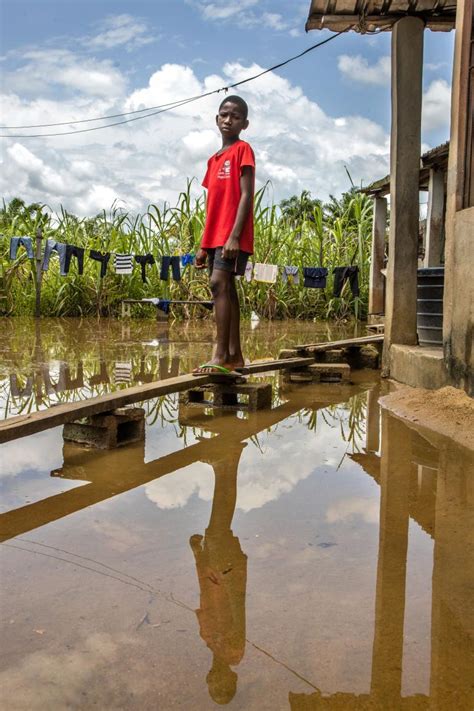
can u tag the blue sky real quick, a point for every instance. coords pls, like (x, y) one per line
(63, 60)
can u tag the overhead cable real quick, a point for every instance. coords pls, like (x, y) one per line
(154, 110)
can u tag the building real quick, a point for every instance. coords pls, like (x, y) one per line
(404, 359)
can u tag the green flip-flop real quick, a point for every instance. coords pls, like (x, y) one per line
(214, 370)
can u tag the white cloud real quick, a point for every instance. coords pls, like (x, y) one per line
(355, 507)
(265, 473)
(119, 30)
(436, 105)
(224, 9)
(301, 147)
(357, 68)
(45, 70)
(19, 457)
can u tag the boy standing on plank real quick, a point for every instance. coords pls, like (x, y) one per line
(227, 241)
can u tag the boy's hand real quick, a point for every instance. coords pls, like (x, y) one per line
(231, 248)
(200, 259)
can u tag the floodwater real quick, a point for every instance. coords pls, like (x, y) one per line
(316, 555)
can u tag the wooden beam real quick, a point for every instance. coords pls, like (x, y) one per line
(405, 150)
(435, 219)
(345, 343)
(23, 425)
(376, 279)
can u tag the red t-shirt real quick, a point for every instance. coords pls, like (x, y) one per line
(222, 181)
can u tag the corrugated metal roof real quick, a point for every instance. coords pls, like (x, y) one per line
(374, 15)
(434, 158)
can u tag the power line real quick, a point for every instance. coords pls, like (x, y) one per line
(154, 110)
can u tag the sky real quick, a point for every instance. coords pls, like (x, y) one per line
(311, 123)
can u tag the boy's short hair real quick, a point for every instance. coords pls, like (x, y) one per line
(240, 103)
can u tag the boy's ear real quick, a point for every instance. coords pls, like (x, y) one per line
(246, 124)
(217, 119)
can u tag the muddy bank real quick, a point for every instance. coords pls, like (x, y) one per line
(448, 411)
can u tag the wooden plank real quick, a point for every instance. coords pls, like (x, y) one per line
(268, 365)
(346, 343)
(23, 425)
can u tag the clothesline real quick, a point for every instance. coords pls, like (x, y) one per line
(313, 277)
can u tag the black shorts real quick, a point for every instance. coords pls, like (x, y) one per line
(215, 260)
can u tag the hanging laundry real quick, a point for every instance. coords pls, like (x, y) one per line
(343, 274)
(291, 275)
(315, 277)
(265, 272)
(15, 388)
(103, 258)
(101, 377)
(60, 248)
(123, 372)
(123, 263)
(16, 242)
(187, 259)
(73, 251)
(164, 306)
(166, 263)
(78, 381)
(168, 370)
(143, 260)
(248, 272)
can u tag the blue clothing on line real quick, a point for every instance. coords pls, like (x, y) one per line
(187, 259)
(315, 277)
(27, 243)
(61, 249)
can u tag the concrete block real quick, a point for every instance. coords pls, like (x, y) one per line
(330, 372)
(231, 396)
(287, 353)
(108, 430)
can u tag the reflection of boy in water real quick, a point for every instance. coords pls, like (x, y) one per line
(222, 571)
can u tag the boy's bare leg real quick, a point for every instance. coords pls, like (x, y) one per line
(221, 292)
(235, 349)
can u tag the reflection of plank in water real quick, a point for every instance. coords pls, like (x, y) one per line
(115, 472)
(23, 425)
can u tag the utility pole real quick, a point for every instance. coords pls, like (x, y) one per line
(38, 272)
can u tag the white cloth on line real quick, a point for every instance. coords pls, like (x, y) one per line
(265, 272)
(123, 263)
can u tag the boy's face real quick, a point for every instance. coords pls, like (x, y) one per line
(230, 120)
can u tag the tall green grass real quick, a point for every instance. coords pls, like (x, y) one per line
(337, 234)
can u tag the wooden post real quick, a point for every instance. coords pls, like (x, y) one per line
(376, 280)
(405, 149)
(387, 652)
(38, 272)
(435, 219)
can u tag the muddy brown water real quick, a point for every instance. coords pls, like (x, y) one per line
(316, 555)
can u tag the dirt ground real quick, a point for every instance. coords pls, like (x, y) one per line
(448, 411)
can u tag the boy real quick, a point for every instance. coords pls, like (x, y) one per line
(227, 241)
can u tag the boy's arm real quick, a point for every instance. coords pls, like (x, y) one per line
(231, 248)
(201, 256)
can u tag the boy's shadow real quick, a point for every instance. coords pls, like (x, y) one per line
(222, 572)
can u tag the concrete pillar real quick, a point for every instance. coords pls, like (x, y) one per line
(387, 652)
(458, 316)
(435, 219)
(376, 280)
(452, 620)
(405, 149)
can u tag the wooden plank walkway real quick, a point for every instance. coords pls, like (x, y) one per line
(345, 343)
(23, 425)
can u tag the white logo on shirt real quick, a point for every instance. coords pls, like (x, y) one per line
(224, 170)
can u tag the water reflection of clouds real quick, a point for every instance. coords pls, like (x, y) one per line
(24, 455)
(266, 472)
(355, 507)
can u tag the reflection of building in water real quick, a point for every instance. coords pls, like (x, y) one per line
(431, 482)
(222, 571)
